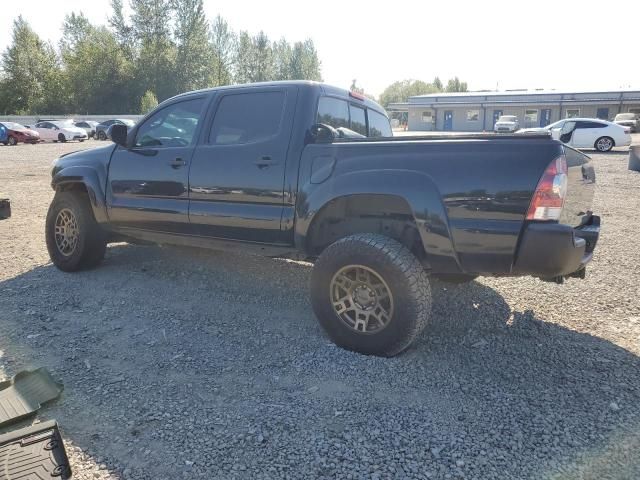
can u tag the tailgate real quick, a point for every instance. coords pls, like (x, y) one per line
(580, 190)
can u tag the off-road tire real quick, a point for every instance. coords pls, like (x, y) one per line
(91, 244)
(398, 268)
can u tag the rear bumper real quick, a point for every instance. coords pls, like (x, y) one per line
(551, 250)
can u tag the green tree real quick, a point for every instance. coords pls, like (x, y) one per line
(33, 78)
(305, 64)
(243, 61)
(156, 58)
(455, 85)
(98, 74)
(437, 84)
(281, 60)
(148, 102)
(194, 54)
(401, 91)
(262, 58)
(122, 30)
(223, 46)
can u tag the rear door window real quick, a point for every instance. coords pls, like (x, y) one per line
(333, 112)
(247, 118)
(378, 125)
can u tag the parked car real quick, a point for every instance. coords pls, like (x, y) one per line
(601, 135)
(88, 126)
(101, 128)
(12, 133)
(631, 120)
(378, 215)
(507, 123)
(111, 128)
(60, 131)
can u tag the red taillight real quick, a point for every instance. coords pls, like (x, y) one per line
(548, 199)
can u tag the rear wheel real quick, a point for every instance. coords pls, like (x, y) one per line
(102, 135)
(604, 144)
(74, 239)
(370, 294)
(12, 141)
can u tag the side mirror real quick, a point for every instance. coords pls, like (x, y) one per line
(322, 133)
(119, 135)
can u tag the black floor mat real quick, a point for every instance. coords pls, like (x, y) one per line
(35, 452)
(25, 393)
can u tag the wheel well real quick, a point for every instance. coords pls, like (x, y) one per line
(72, 187)
(387, 215)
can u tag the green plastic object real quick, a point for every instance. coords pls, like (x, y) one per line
(25, 393)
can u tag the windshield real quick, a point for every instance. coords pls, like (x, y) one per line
(508, 118)
(14, 126)
(626, 116)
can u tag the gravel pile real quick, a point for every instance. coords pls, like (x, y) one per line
(180, 363)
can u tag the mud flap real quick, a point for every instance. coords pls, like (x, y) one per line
(34, 452)
(25, 393)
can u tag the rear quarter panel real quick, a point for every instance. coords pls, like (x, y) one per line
(476, 192)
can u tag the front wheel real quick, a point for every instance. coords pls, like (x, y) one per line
(370, 294)
(102, 136)
(62, 138)
(74, 239)
(604, 144)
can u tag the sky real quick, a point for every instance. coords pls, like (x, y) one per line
(561, 44)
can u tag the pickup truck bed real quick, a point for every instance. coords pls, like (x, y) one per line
(314, 173)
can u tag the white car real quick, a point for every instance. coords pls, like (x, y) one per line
(507, 123)
(60, 131)
(601, 135)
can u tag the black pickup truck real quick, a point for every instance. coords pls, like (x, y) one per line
(305, 170)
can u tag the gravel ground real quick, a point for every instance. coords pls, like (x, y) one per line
(179, 363)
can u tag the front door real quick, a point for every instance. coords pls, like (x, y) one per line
(545, 117)
(3, 134)
(237, 173)
(448, 119)
(148, 185)
(603, 113)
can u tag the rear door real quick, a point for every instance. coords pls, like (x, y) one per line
(148, 185)
(586, 133)
(237, 173)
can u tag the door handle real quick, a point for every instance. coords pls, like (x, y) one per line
(177, 163)
(265, 161)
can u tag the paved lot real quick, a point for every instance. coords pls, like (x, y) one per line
(181, 363)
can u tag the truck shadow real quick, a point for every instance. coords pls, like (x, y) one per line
(157, 338)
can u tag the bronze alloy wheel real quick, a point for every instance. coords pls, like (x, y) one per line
(361, 299)
(66, 232)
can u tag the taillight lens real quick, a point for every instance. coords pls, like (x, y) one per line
(548, 199)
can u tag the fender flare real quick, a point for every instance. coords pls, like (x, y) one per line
(416, 188)
(88, 177)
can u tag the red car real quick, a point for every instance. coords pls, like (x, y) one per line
(13, 133)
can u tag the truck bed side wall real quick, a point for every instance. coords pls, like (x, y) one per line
(469, 197)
